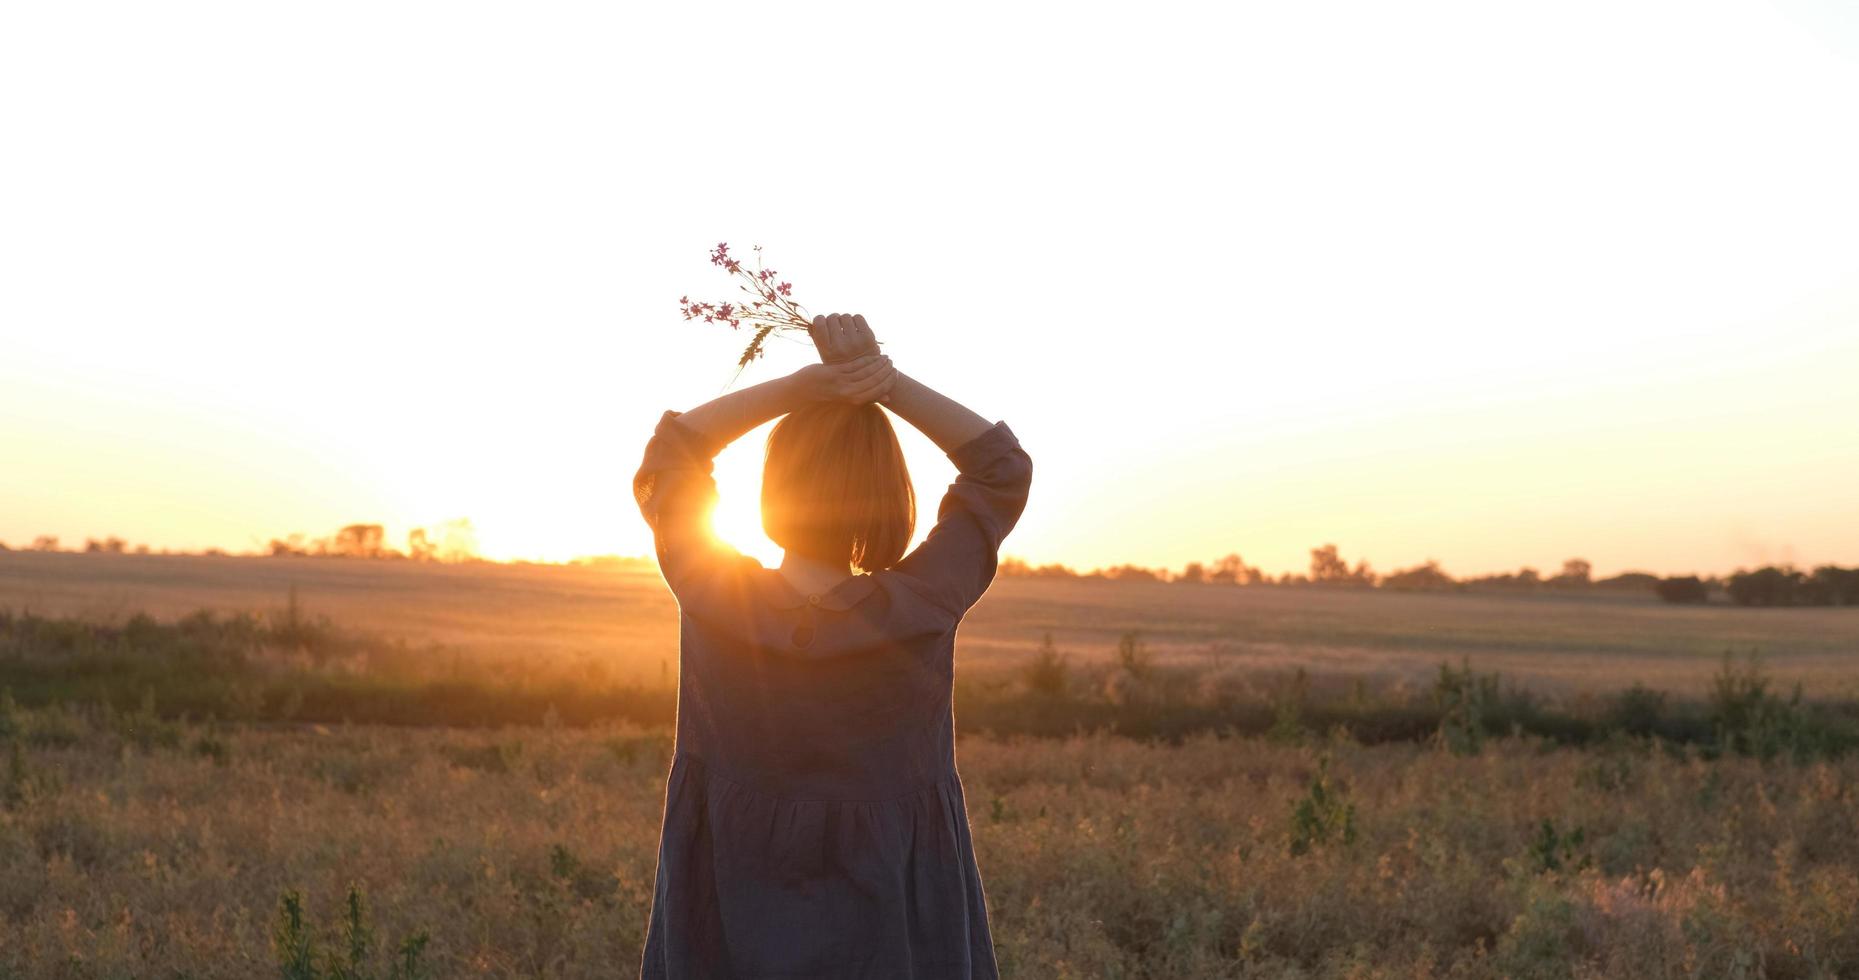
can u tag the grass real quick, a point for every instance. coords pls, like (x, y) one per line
(461, 774)
(529, 852)
(288, 667)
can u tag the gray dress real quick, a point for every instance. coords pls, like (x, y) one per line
(814, 823)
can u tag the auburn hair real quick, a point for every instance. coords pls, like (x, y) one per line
(835, 487)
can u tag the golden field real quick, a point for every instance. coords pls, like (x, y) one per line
(146, 840)
(622, 615)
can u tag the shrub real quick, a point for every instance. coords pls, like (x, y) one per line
(1288, 709)
(1554, 850)
(1638, 710)
(1465, 701)
(1751, 719)
(1046, 674)
(1133, 655)
(1322, 814)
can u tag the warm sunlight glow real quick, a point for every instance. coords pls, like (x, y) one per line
(1489, 283)
(738, 517)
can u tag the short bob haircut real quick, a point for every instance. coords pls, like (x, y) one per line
(835, 487)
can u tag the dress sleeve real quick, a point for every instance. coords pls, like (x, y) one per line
(676, 494)
(956, 562)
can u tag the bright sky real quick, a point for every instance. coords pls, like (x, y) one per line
(1496, 284)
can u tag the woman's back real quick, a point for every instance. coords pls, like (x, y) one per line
(848, 699)
(814, 821)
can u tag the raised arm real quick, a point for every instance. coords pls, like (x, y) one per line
(725, 418)
(944, 420)
(956, 562)
(948, 423)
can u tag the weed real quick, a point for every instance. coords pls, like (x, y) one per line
(1322, 814)
(1553, 850)
(1465, 701)
(293, 943)
(1045, 675)
(1133, 655)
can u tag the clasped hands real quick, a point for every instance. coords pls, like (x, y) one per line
(851, 369)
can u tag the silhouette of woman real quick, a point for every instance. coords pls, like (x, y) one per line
(814, 823)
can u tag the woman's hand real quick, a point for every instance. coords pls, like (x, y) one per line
(842, 336)
(858, 381)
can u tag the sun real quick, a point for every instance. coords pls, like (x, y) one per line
(737, 519)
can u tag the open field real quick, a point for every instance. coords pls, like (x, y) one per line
(166, 783)
(528, 853)
(622, 616)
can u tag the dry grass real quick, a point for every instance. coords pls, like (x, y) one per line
(133, 845)
(530, 853)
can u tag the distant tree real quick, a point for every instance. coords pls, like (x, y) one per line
(1328, 568)
(1133, 573)
(458, 541)
(1576, 574)
(1638, 582)
(45, 542)
(286, 547)
(1006, 568)
(1421, 578)
(1524, 580)
(1193, 573)
(141, 549)
(1830, 585)
(1768, 586)
(1683, 589)
(422, 548)
(360, 541)
(1231, 570)
(108, 546)
(1843, 581)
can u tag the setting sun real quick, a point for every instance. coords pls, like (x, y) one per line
(1410, 286)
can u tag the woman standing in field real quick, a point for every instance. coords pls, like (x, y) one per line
(814, 823)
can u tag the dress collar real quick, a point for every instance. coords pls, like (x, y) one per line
(779, 593)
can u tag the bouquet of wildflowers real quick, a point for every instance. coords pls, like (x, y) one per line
(769, 310)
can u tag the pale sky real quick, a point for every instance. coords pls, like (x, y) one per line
(1494, 284)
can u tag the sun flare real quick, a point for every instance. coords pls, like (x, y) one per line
(738, 515)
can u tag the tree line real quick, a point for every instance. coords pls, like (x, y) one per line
(1771, 585)
(1827, 585)
(453, 541)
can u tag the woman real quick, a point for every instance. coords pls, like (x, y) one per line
(814, 824)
